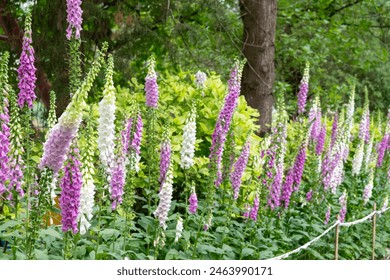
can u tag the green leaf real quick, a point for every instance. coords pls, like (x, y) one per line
(9, 224)
(51, 232)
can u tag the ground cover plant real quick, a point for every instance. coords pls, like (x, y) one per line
(171, 167)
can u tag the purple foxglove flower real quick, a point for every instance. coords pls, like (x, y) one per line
(247, 210)
(303, 90)
(287, 188)
(383, 146)
(275, 196)
(165, 158)
(224, 119)
(151, 87)
(136, 141)
(343, 204)
(299, 165)
(321, 141)
(27, 70)
(71, 185)
(126, 136)
(309, 195)
(239, 168)
(117, 182)
(327, 216)
(193, 200)
(56, 146)
(74, 18)
(4, 141)
(254, 209)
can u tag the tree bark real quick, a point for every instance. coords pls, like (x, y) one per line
(259, 20)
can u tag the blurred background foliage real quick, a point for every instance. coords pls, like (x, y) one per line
(344, 40)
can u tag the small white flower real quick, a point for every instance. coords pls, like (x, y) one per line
(358, 159)
(179, 229)
(165, 196)
(188, 145)
(200, 79)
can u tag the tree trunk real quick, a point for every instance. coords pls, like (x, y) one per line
(259, 19)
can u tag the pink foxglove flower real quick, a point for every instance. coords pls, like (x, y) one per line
(74, 18)
(303, 90)
(71, 185)
(224, 119)
(239, 168)
(151, 87)
(165, 157)
(255, 209)
(27, 70)
(343, 204)
(321, 141)
(193, 200)
(327, 216)
(118, 178)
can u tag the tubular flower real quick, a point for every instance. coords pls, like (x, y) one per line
(52, 118)
(27, 70)
(74, 18)
(255, 209)
(368, 153)
(188, 145)
(239, 168)
(151, 87)
(208, 223)
(179, 229)
(200, 79)
(224, 119)
(287, 188)
(367, 193)
(382, 147)
(16, 162)
(299, 165)
(327, 216)
(136, 140)
(165, 157)
(309, 195)
(165, 196)
(4, 123)
(117, 182)
(70, 192)
(276, 158)
(303, 89)
(364, 129)
(106, 129)
(321, 141)
(358, 159)
(275, 192)
(193, 200)
(126, 136)
(87, 192)
(60, 136)
(343, 204)
(315, 119)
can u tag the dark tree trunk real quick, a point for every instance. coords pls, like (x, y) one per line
(259, 19)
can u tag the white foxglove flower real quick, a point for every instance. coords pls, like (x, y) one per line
(385, 203)
(179, 229)
(87, 194)
(106, 129)
(367, 156)
(367, 193)
(358, 159)
(165, 196)
(188, 145)
(200, 79)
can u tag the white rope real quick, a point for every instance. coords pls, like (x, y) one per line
(326, 231)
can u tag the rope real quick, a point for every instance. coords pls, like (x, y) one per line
(379, 212)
